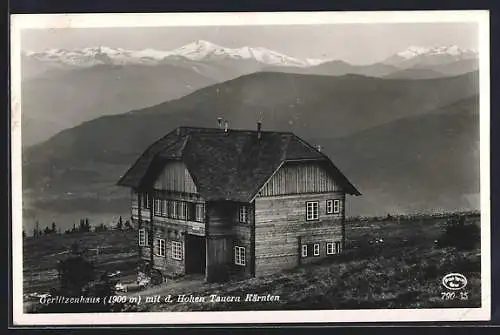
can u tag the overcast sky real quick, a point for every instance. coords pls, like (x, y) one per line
(354, 43)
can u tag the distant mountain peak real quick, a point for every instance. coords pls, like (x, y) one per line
(415, 55)
(199, 50)
(414, 51)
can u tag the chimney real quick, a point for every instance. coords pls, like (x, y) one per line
(318, 147)
(226, 126)
(259, 127)
(178, 131)
(219, 122)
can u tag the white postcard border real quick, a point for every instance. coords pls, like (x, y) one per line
(46, 21)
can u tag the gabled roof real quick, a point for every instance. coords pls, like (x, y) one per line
(226, 166)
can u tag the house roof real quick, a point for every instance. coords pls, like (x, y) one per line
(226, 166)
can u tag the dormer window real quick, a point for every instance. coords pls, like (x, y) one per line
(243, 214)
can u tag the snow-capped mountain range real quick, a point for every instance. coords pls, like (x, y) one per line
(414, 51)
(204, 51)
(73, 81)
(415, 55)
(196, 51)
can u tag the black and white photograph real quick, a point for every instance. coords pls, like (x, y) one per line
(285, 167)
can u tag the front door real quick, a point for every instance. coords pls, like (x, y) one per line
(195, 254)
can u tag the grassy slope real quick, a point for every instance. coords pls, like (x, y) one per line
(118, 251)
(403, 272)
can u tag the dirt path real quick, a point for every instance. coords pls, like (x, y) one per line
(183, 285)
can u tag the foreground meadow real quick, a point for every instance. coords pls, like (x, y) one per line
(389, 263)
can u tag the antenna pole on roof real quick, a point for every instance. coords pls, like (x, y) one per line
(259, 125)
(259, 116)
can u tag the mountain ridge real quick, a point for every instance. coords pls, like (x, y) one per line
(198, 50)
(80, 165)
(202, 50)
(429, 56)
(137, 79)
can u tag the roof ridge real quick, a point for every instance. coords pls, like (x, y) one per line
(307, 144)
(224, 166)
(186, 140)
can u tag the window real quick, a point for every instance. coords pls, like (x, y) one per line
(145, 200)
(312, 210)
(304, 250)
(200, 213)
(333, 248)
(330, 248)
(143, 237)
(316, 249)
(336, 206)
(164, 207)
(157, 206)
(177, 250)
(243, 214)
(160, 251)
(333, 206)
(190, 211)
(239, 256)
(172, 209)
(181, 210)
(329, 207)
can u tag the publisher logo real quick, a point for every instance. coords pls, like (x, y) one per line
(454, 281)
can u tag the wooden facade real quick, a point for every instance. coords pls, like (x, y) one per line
(299, 178)
(300, 204)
